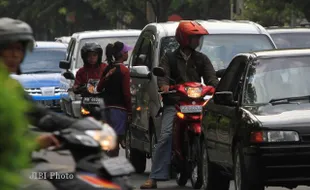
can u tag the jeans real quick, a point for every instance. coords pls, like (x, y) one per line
(162, 152)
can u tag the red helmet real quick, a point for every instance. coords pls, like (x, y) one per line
(186, 29)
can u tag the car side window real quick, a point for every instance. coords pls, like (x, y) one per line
(233, 75)
(144, 54)
(71, 50)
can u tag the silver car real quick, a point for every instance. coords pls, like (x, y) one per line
(226, 39)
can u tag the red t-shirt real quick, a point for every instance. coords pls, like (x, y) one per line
(89, 72)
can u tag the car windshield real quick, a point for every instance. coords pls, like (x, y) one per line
(275, 78)
(291, 40)
(104, 41)
(221, 48)
(43, 61)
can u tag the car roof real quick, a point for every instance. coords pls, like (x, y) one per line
(106, 33)
(288, 30)
(63, 39)
(282, 53)
(213, 27)
(50, 44)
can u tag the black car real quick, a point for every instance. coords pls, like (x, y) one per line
(257, 124)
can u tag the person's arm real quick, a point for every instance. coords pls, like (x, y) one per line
(164, 81)
(104, 79)
(209, 75)
(78, 82)
(126, 88)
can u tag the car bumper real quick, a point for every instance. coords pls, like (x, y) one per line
(279, 164)
(51, 102)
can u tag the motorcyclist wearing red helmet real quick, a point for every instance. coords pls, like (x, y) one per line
(183, 65)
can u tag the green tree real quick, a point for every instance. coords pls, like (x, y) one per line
(15, 145)
(275, 12)
(133, 13)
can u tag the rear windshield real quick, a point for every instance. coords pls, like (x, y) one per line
(292, 40)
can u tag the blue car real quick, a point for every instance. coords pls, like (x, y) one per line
(41, 73)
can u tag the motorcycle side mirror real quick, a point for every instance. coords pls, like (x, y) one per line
(159, 72)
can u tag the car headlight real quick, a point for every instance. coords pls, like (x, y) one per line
(106, 137)
(193, 92)
(274, 136)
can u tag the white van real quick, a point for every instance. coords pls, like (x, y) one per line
(70, 103)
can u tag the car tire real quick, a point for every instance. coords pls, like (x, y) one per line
(136, 157)
(212, 178)
(240, 176)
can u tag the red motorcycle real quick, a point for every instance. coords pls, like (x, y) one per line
(187, 134)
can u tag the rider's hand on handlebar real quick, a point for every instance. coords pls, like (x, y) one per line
(164, 88)
(47, 140)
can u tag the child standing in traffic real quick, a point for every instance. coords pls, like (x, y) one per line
(116, 94)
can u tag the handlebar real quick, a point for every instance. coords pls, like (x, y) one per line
(169, 92)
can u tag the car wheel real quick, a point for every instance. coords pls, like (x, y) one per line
(197, 171)
(212, 178)
(241, 182)
(136, 157)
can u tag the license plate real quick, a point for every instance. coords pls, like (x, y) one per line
(48, 91)
(118, 166)
(191, 109)
(92, 100)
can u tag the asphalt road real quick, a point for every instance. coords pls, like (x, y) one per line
(137, 180)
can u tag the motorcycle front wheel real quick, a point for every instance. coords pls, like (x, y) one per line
(197, 165)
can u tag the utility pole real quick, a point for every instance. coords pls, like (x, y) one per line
(150, 15)
(231, 9)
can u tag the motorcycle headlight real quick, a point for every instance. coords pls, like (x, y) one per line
(193, 92)
(84, 111)
(106, 137)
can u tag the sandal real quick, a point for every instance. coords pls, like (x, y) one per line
(149, 184)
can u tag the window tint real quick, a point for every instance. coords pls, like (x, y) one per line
(231, 79)
(145, 52)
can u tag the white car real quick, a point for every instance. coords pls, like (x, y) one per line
(71, 103)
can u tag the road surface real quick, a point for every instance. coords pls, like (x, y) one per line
(137, 180)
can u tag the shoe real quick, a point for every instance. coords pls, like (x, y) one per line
(149, 184)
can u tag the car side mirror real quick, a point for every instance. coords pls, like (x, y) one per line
(64, 64)
(220, 73)
(159, 72)
(68, 75)
(224, 98)
(141, 72)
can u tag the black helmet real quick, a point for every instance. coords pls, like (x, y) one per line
(12, 30)
(91, 47)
